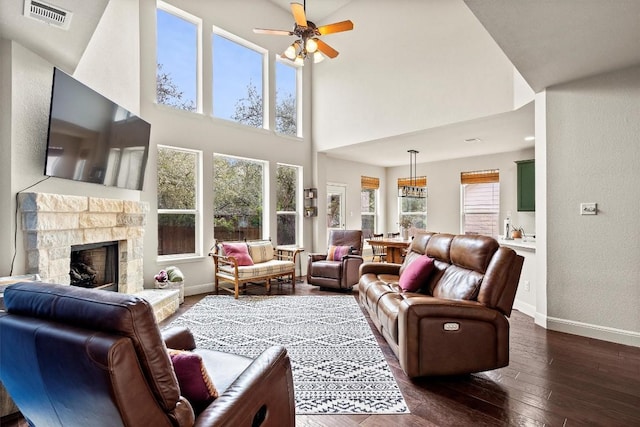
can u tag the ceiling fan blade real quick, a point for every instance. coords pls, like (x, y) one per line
(326, 49)
(336, 27)
(273, 32)
(298, 14)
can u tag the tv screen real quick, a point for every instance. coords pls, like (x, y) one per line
(93, 139)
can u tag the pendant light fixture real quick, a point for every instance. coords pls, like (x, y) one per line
(412, 189)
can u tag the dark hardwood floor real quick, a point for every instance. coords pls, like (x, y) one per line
(553, 379)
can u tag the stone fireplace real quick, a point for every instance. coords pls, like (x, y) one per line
(53, 223)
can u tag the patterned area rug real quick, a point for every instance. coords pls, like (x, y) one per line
(337, 365)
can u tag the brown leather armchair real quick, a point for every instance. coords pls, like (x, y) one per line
(341, 274)
(77, 357)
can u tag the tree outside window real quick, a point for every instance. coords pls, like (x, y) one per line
(178, 205)
(368, 202)
(238, 198)
(287, 204)
(176, 49)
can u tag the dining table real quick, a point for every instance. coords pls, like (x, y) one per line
(394, 247)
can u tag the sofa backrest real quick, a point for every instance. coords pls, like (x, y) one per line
(351, 238)
(469, 267)
(102, 312)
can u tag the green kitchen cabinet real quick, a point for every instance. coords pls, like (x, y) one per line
(526, 185)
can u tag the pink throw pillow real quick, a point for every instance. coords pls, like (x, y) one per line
(239, 251)
(336, 253)
(416, 273)
(194, 381)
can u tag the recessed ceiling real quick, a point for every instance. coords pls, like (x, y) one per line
(497, 134)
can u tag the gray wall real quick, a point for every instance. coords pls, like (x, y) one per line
(593, 155)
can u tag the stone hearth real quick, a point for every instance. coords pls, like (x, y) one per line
(52, 223)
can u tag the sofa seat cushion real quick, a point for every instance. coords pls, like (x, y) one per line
(263, 269)
(326, 268)
(387, 311)
(458, 283)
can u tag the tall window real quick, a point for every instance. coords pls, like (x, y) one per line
(178, 201)
(368, 201)
(286, 98)
(238, 198)
(480, 202)
(413, 210)
(238, 70)
(287, 203)
(177, 56)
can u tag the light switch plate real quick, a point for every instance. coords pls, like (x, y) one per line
(588, 208)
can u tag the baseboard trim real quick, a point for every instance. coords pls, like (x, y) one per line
(525, 308)
(198, 289)
(604, 333)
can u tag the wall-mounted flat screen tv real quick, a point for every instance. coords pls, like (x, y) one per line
(93, 139)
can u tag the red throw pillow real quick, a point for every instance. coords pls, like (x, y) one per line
(239, 251)
(416, 273)
(336, 253)
(194, 381)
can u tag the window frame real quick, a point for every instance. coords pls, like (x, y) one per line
(179, 13)
(215, 30)
(487, 177)
(299, 205)
(197, 212)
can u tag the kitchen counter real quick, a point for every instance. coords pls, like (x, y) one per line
(526, 243)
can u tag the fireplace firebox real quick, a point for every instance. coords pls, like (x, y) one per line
(95, 265)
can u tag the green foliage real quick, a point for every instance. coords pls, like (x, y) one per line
(286, 179)
(168, 93)
(249, 111)
(176, 179)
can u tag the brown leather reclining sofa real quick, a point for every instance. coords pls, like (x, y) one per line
(456, 322)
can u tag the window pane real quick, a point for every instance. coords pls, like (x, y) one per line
(176, 179)
(287, 229)
(238, 198)
(287, 180)
(177, 61)
(176, 234)
(286, 204)
(480, 209)
(368, 201)
(412, 204)
(368, 225)
(237, 82)
(286, 101)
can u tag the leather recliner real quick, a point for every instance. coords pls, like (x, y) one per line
(341, 274)
(78, 357)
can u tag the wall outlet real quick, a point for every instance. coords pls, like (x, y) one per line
(527, 285)
(588, 209)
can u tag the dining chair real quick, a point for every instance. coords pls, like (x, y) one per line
(378, 250)
(393, 235)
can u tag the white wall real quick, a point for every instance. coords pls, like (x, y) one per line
(6, 216)
(445, 68)
(337, 171)
(443, 183)
(593, 156)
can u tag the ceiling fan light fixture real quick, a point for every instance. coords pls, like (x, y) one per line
(299, 61)
(312, 45)
(317, 57)
(290, 52)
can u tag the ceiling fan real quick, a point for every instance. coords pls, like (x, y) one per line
(308, 43)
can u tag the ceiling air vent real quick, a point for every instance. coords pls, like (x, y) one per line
(47, 13)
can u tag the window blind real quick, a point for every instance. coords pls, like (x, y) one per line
(369, 183)
(418, 181)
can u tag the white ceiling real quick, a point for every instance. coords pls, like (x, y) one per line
(548, 41)
(58, 46)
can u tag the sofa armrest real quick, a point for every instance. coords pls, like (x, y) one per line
(178, 338)
(432, 332)
(317, 257)
(261, 395)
